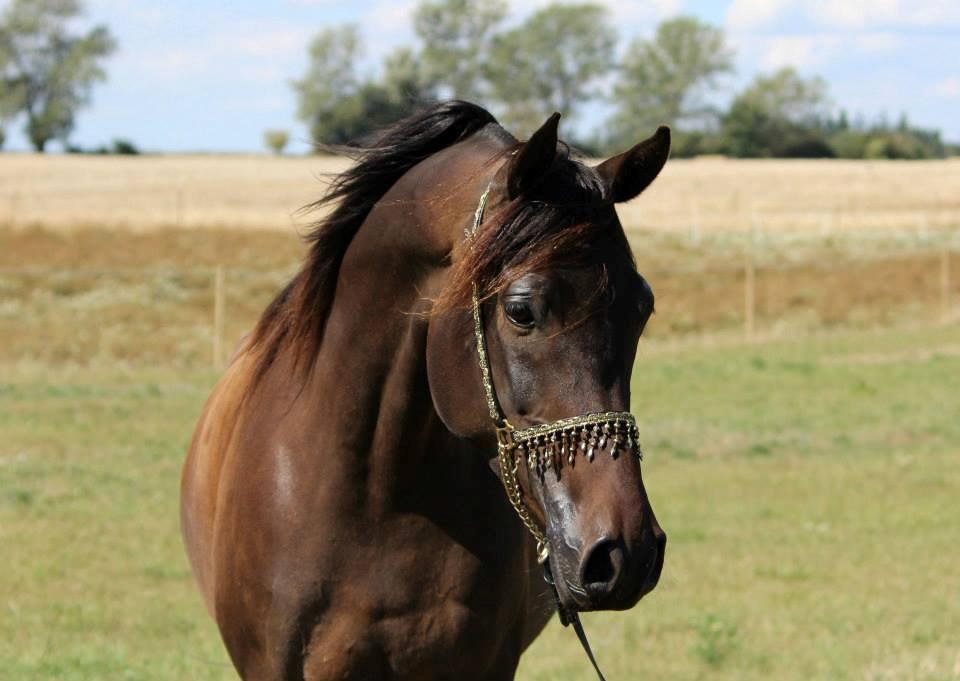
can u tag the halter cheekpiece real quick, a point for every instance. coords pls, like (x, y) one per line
(547, 445)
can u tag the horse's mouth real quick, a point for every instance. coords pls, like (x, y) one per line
(578, 599)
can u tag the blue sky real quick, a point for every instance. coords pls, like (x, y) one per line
(213, 74)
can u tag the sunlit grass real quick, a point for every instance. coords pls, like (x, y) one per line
(808, 491)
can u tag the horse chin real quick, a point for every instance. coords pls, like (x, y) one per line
(573, 597)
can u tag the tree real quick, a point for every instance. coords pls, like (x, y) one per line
(339, 107)
(666, 79)
(10, 96)
(331, 77)
(778, 115)
(49, 71)
(276, 140)
(456, 36)
(404, 77)
(551, 62)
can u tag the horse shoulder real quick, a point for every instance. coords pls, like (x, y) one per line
(203, 467)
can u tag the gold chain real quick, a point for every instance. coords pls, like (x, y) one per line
(484, 361)
(508, 474)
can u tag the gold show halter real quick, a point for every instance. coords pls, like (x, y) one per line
(547, 444)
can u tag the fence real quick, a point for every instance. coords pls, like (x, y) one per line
(173, 314)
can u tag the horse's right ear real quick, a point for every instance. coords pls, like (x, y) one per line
(632, 171)
(533, 159)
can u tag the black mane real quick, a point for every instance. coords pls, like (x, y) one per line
(300, 310)
(558, 222)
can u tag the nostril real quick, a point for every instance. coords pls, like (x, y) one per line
(602, 567)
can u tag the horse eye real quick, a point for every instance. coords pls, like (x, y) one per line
(519, 313)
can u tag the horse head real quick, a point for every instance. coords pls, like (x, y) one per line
(559, 310)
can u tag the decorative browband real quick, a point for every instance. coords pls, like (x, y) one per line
(553, 442)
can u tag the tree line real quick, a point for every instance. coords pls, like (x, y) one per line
(564, 57)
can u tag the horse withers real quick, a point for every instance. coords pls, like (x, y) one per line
(436, 402)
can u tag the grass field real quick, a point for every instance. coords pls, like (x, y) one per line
(808, 482)
(702, 195)
(808, 489)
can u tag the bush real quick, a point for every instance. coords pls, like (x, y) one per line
(124, 148)
(850, 143)
(276, 140)
(119, 147)
(687, 144)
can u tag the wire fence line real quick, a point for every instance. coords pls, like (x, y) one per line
(219, 303)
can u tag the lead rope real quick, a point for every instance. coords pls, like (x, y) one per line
(508, 464)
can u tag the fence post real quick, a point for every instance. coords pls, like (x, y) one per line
(179, 216)
(749, 297)
(218, 316)
(945, 282)
(14, 206)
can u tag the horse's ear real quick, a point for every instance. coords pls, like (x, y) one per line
(533, 159)
(632, 171)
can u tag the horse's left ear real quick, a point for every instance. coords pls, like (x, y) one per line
(533, 159)
(632, 171)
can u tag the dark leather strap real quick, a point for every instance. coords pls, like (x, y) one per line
(582, 635)
(571, 617)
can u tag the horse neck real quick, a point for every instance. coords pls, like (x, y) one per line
(368, 388)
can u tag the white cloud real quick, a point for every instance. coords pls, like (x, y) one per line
(948, 88)
(815, 49)
(384, 27)
(801, 51)
(747, 15)
(626, 14)
(257, 40)
(249, 50)
(744, 15)
(878, 41)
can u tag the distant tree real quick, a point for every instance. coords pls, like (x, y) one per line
(550, 62)
(340, 107)
(10, 99)
(666, 79)
(123, 147)
(330, 79)
(276, 140)
(49, 70)
(778, 115)
(11, 93)
(456, 38)
(405, 78)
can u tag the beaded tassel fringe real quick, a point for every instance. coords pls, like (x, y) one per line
(552, 444)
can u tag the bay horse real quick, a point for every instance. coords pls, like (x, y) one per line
(435, 403)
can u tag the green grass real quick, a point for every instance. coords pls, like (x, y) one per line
(809, 491)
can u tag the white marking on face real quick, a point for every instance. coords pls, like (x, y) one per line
(284, 475)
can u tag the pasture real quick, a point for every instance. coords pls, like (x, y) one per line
(807, 481)
(808, 490)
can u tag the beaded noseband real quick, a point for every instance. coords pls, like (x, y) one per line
(545, 445)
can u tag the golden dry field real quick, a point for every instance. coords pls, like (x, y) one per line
(695, 196)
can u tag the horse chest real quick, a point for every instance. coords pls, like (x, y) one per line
(442, 622)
